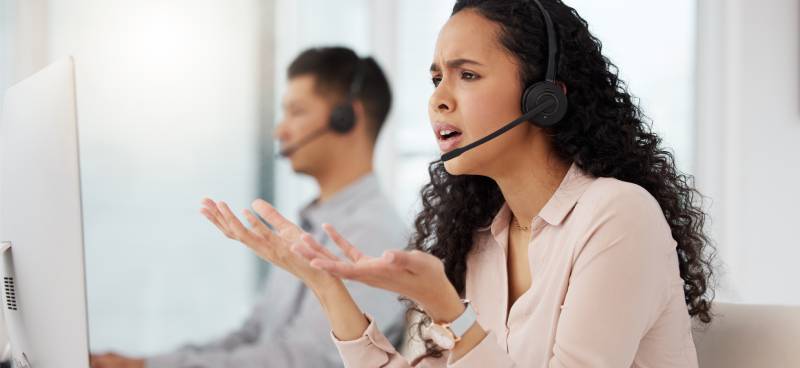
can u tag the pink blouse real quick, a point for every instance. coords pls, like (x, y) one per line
(605, 291)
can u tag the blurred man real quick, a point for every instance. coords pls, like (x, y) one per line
(334, 108)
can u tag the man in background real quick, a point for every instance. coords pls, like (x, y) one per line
(334, 108)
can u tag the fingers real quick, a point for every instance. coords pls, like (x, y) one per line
(303, 250)
(239, 231)
(414, 261)
(365, 270)
(337, 268)
(317, 247)
(258, 226)
(271, 215)
(211, 212)
(348, 249)
(308, 254)
(211, 207)
(398, 258)
(213, 220)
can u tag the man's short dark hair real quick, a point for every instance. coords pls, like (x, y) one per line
(334, 68)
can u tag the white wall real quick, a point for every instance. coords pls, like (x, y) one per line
(168, 105)
(652, 43)
(748, 143)
(6, 25)
(23, 46)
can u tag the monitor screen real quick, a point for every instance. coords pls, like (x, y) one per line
(44, 302)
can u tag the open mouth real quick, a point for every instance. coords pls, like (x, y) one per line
(445, 134)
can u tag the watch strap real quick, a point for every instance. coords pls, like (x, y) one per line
(460, 326)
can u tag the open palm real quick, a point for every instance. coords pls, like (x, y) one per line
(417, 275)
(272, 246)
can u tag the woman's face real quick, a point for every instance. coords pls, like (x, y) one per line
(477, 91)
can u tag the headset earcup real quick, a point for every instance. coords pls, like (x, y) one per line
(343, 118)
(539, 93)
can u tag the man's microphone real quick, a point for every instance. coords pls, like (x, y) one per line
(286, 152)
(525, 117)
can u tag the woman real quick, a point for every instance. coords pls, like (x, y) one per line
(577, 244)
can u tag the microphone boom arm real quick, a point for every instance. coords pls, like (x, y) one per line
(525, 117)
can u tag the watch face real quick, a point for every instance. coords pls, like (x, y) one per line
(441, 336)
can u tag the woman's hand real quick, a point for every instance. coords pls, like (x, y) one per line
(273, 247)
(417, 275)
(347, 320)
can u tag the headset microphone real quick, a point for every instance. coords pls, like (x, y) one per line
(458, 151)
(286, 152)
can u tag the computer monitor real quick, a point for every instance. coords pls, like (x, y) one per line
(44, 298)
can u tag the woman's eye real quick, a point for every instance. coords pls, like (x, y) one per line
(436, 81)
(468, 76)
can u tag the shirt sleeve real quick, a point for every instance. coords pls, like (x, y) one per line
(619, 285)
(247, 334)
(289, 352)
(373, 350)
(302, 342)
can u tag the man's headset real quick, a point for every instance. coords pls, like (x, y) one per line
(543, 103)
(343, 116)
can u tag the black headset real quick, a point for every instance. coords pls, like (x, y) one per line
(543, 103)
(549, 89)
(343, 117)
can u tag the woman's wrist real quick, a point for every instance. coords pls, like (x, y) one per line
(327, 288)
(345, 317)
(446, 307)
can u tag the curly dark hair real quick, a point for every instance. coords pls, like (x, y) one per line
(604, 133)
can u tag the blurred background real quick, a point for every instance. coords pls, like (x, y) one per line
(177, 100)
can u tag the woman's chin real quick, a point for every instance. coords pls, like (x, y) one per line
(450, 166)
(457, 166)
(476, 162)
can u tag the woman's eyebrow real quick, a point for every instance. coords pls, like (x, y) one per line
(455, 63)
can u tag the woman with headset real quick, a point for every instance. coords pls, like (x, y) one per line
(565, 238)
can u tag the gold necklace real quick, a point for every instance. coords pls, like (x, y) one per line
(516, 224)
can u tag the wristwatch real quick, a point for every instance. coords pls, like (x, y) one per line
(446, 335)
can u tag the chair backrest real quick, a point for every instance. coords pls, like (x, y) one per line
(746, 336)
